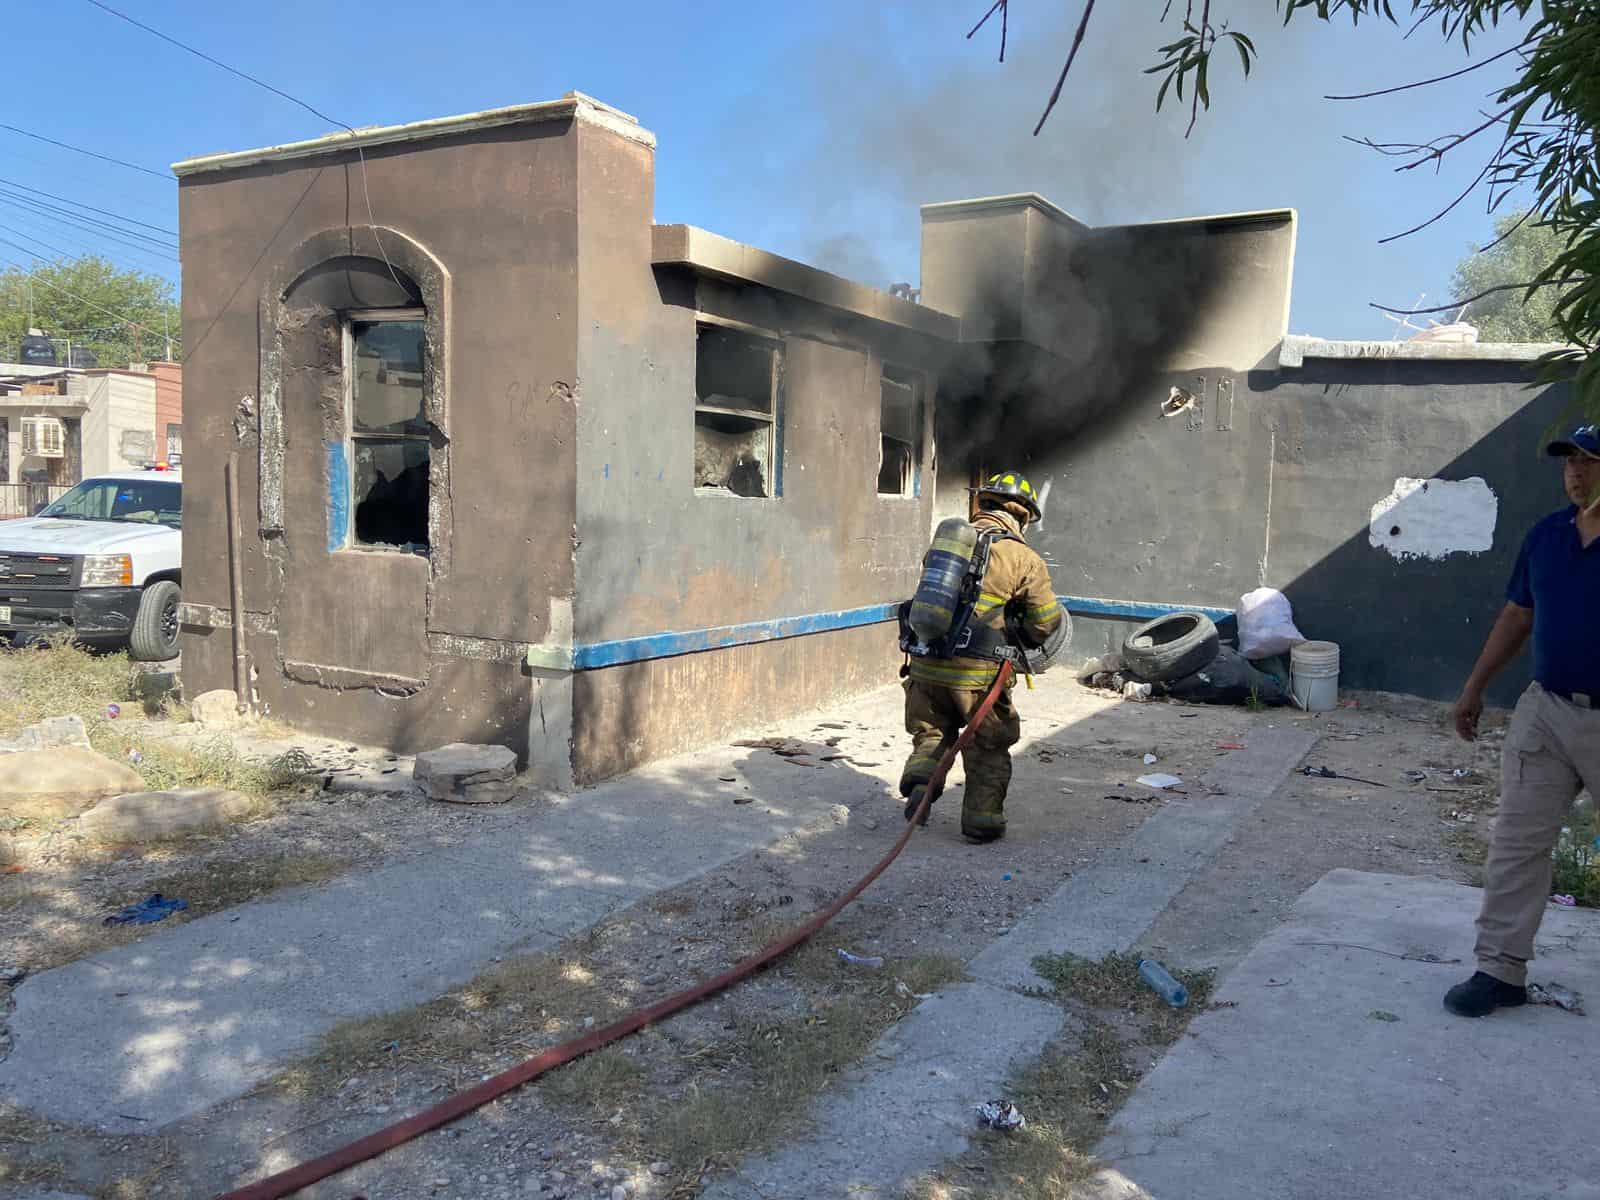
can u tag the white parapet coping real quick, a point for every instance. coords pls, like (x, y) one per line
(572, 106)
(1296, 348)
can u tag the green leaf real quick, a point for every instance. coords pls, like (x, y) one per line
(1200, 82)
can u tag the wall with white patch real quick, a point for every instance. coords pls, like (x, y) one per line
(1434, 518)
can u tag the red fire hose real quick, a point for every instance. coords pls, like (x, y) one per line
(286, 1182)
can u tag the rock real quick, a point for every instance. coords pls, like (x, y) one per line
(661, 1168)
(466, 774)
(147, 816)
(61, 782)
(619, 1193)
(217, 709)
(48, 734)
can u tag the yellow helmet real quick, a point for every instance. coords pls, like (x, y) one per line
(1014, 486)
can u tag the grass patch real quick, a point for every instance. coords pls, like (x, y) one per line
(18, 1167)
(1577, 861)
(784, 1066)
(541, 998)
(1071, 1093)
(57, 679)
(212, 886)
(1113, 982)
(212, 763)
(60, 679)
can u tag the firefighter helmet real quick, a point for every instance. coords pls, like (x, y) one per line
(1013, 486)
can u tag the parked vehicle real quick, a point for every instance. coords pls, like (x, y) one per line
(103, 563)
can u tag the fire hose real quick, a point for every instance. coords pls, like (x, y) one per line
(373, 1144)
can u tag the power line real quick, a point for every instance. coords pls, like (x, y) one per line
(154, 248)
(50, 212)
(79, 204)
(39, 137)
(372, 222)
(216, 63)
(167, 259)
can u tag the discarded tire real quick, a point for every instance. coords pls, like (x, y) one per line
(1171, 647)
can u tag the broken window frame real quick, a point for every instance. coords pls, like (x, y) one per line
(772, 418)
(917, 381)
(354, 438)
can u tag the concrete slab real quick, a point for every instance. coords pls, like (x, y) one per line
(189, 1017)
(1106, 906)
(913, 1107)
(1337, 1072)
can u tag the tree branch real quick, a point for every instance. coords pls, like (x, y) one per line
(1471, 187)
(1404, 87)
(1504, 287)
(1077, 40)
(1003, 7)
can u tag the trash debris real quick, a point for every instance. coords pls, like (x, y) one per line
(1330, 773)
(1159, 781)
(1006, 878)
(1381, 1014)
(1163, 984)
(744, 799)
(153, 908)
(113, 711)
(1002, 1115)
(1149, 760)
(1557, 995)
(1230, 745)
(134, 756)
(1136, 691)
(1564, 901)
(858, 960)
(1266, 624)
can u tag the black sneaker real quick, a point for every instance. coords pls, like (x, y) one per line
(1482, 994)
(915, 801)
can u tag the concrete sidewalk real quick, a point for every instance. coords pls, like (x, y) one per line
(134, 1039)
(1336, 1071)
(913, 1106)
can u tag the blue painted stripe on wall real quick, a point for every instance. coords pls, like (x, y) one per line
(668, 645)
(338, 497)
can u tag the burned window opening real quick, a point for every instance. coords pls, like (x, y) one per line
(900, 430)
(389, 432)
(737, 413)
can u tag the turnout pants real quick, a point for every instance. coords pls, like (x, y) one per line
(935, 716)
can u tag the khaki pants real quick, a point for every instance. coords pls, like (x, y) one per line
(1552, 752)
(934, 718)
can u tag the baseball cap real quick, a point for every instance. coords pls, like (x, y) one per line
(1585, 438)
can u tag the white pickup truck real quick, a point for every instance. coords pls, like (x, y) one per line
(103, 563)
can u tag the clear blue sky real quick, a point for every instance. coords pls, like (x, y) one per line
(812, 130)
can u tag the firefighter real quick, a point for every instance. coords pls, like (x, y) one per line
(943, 693)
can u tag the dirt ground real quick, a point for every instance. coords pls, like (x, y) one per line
(686, 1099)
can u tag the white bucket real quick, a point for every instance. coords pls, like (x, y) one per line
(1314, 669)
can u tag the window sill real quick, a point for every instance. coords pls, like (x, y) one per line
(717, 493)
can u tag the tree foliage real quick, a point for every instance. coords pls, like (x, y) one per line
(119, 316)
(1520, 251)
(1538, 138)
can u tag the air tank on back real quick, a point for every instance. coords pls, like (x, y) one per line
(933, 606)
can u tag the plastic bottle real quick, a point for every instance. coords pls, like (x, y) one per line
(857, 960)
(1162, 984)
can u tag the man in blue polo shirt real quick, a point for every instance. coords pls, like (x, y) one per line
(1552, 748)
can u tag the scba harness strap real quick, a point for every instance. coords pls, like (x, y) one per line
(964, 640)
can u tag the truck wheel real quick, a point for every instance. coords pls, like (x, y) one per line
(1171, 647)
(155, 629)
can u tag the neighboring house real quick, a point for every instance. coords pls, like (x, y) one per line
(62, 425)
(519, 465)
